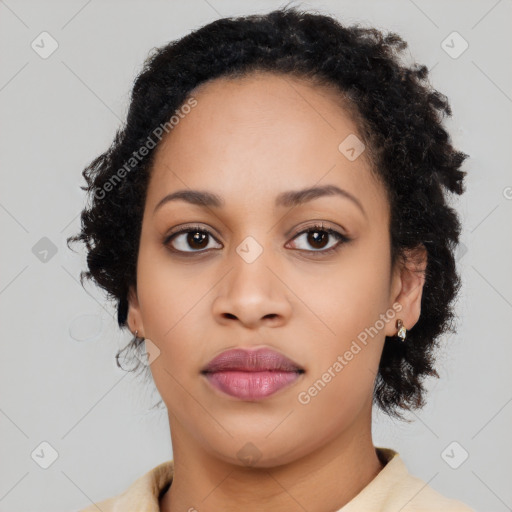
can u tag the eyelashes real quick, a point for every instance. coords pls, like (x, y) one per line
(194, 230)
(200, 237)
(317, 229)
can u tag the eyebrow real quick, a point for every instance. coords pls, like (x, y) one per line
(287, 199)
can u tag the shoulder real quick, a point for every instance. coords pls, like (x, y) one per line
(394, 488)
(418, 496)
(409, 493)
(107, 505)
(142, 494)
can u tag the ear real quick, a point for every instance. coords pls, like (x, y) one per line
(407, 288)
(134, 313)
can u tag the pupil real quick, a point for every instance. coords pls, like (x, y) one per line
(196, 238)
(313, 238)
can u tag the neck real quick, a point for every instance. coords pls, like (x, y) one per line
(326, 479)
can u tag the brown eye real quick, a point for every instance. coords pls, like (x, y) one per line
(197, 239)
(319, 237)
(189, 239)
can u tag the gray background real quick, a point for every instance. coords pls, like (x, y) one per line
(58, 379)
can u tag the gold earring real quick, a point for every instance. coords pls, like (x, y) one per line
(401, 330)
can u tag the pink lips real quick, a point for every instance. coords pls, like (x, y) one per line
(251, 374)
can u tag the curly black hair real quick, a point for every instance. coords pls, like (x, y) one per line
(399, 117)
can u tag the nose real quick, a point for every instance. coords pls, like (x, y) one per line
(252, 294)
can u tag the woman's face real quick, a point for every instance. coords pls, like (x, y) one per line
(257, 278)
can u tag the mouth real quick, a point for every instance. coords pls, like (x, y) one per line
(251, 375)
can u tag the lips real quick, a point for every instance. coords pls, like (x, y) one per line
(251, 374)
(251, 361)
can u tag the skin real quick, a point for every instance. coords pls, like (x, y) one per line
(247, 140)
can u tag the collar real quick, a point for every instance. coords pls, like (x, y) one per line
(394, 488)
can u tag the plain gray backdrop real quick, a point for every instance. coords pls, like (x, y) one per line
(59, 385)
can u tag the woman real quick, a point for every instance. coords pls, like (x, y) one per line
(272, 223)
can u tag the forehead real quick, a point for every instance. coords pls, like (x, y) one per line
(262, 134)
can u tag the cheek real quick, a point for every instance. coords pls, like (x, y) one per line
(171, 300)
(348, 346)
(351, 296)
(167, 289)
(170, 308)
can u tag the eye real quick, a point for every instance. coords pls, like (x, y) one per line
(188, 237)
(318, 236)
(194, 239)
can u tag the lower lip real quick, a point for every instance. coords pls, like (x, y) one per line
(251, 385)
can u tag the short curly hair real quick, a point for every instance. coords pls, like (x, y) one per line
(400, 121)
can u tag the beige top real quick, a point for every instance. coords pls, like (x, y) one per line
(393, 489)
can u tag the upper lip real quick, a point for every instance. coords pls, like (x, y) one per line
(253, 360)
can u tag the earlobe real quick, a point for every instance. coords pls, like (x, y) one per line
(408, 285)
(134, 313)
